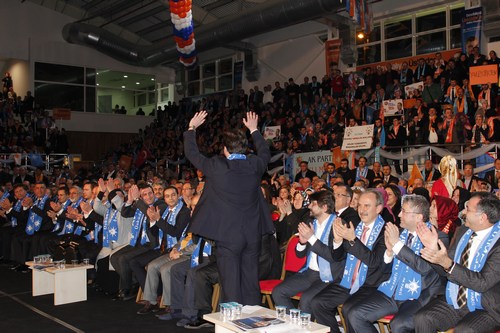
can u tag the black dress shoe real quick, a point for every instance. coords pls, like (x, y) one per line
(149, 308)
(119, 296)
(23, 269)
(128, 296)
(197, 324)
(14, 267)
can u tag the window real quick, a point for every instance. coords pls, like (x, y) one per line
(431, 21)
(397, 28)
(55, 95)
(210, 78)
(430, 43)
(398, 49)
(368, 54)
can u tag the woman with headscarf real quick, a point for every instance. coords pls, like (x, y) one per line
(291, 214)
(449, 177)
(386, 212)
(444, 214)
(460, 196)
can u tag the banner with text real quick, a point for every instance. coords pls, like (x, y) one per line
(393, 107)
(411, 88)
(483, 74)
(316, 160)
(271, 132)
(472, 20)
(358, 137)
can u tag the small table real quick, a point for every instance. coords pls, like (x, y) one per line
(227, 327)
(68, 285)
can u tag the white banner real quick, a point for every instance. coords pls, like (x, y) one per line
(358, 137)
(271, 132)
(393, 107)
(410, 89)
(315, 160)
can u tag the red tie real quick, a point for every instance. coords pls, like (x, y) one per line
(358, 264)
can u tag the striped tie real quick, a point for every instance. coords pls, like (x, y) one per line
(464, 259)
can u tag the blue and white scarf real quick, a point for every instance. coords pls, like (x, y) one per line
(171, 218)
(325, 272)
(361, 173)
(404, 281)
(35, 221)
(69, 226)
(109, 227)
(17, 207)
(207, 250)
(351, 260)
(237, 157)
(477, 263)
(57, 225)
(140, 219)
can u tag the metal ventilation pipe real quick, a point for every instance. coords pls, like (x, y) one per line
(263, 18)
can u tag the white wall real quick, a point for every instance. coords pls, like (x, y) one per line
(20, 72)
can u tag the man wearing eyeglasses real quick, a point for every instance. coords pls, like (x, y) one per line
(413, 281)
(472, 267)
(343, 196)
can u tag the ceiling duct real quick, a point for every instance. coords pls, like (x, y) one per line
(267, 17)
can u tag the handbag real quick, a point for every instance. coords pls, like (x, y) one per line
(433, 137)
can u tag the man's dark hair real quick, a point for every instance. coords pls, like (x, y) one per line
(20, 185)
(419, 205)
(235, 141)
(323, 198)
(488, 204)
(171, 187)
(64, 188)
(144, 185)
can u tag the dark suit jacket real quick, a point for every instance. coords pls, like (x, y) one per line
(350, 215)
(232, 206)
(181, 222)
(490, 178)
(435, 176)
(309, 174)
(374, 259)
(392, 179)
(370, 175)
(22, 216)
(486, 281)
(129, 211)
(46, 220)
(470, 184)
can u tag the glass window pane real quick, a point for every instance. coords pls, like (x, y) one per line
(90, 76)
(90, 99)
(51, 95)
(226, 82)
(369, 54)
(209, 86)
(374, 36)
(431, 21)
(58, 73)
(431, 43)
(456, 15)
(151, 97)
(456, 38)
(164, 95)
(193, 74)
(226, 66)
(193, 88)
(398, 49)
(397, 29)
(209, 70)
(141, 99)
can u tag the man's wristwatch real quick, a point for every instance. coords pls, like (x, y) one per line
(352, 242)
(192, 128)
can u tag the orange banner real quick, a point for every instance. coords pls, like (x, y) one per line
(332, 53)
(61, 113)
(483, 74)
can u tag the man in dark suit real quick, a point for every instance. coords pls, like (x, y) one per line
(316, 242)
(345, 172)
(413, 281)
(388, 177)
(360, 252)
(232, 210)
(430, 173)
(493, 176)
(472, 267)
(396, 137)
(469, 177)
(343, 196)
(362, 172)
(304, 172)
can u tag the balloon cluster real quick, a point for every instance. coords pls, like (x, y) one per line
(182, 20)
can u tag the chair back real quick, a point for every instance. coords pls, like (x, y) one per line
(291, 262)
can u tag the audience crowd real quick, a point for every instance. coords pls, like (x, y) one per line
(375, 243)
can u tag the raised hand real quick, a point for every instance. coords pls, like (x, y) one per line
(305, 232)
(251, 121)
(86, 207)
(439, 256)
(27, 202)
(133, 193)
(198, 119)
(110, 185)
(428, 237)
(6, 204)
(102, 185)
(391, 235)
(153, 213)
(55, 206)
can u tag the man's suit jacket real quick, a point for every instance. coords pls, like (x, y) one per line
(350, 215)
(46, 220)
(232, 205)
(22, 216)
(309, 174)
(128, 211)
(486, 281)
(370, 175)
(490, 178)
(470, 183)
(435, 175)
(181, 222)
(373, 259)
(392, 179)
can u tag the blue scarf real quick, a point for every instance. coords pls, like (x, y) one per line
(207, 250)
(404, 281)
(477, 263)
(57, 225)
(69, 226)
(35, 221)
(109, 227)
(236, 157)
(325, 272)
(351, 260)
(360, 173)
(17, 207)
(139, 220)
(172, 219)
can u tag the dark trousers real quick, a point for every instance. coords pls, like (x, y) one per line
(21, 247)
(182, 287)
(139, 262)
(106, 279)
(307, 282)
(121, 262)
(377, 305)
(6, 234)
(40, 242)
(238, 265)
(204, 279)
(438, 315)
